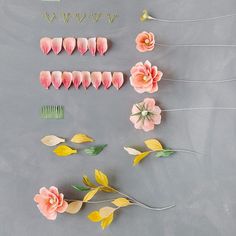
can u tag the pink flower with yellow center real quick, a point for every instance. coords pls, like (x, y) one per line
(145, 41)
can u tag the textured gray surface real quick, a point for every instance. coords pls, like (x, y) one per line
(203, 189)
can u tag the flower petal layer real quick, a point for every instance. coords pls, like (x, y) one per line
(45, 45)
(117, 80)
(106, 79)
(56, 79)
(92, 46)
(45, 79)
(57, 45)
(86, 79)
(77, 78)
(67, 79)
(69, 45)
(82, 45)
(102, 45)
(96, 78)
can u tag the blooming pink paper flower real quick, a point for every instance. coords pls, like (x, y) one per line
(145, 115)
(50, 202)
(145, 41)
(144, 77)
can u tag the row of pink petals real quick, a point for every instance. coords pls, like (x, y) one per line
(58, 78)
(69, 44)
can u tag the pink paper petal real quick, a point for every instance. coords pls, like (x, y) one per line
(45, 79)
(102, 45)
(92, 46)
(56, 79)
(86, 79)
(96, 78)
(45, 45)
(77, 78)
(106, 79)
(57, 45)
(69, 45)
(117, 80)
(67, 79)
(82, 45)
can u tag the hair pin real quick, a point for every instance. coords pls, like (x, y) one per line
(52, 112)
(76, 78)
(145, 16)
(93, 45)
(145, 115)
(50, 202)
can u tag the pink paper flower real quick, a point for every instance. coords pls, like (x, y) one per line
(50, 202)
(145, 115)
(145, 41)
(144, 77)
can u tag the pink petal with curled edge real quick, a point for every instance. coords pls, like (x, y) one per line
(67, 79)
(77, 78)
(69, 45)
(57, 45)
(96, 78)
(45, 45)
(117, 80)
(56, 79)
(45, 79)
(86, 79)
(82, 45)
(106, 79)
(92, 44)
(102, 45)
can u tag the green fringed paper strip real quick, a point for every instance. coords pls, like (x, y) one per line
(52, 112)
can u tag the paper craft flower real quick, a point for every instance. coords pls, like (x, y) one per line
(50, 202)
(145, 77)
(145, 41)
(145, 115)
(145, 16)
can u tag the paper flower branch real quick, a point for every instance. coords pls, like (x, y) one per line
(69, 44)
(156, 147)
(50, 202)
(64, 150)
(145, 115)
(84, 78)
(145, 16)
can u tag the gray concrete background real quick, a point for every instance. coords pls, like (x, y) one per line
(203, 188)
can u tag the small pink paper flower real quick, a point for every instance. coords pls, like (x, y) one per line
(145, 115)
(50, 202)
(145, 41)
(144, 77)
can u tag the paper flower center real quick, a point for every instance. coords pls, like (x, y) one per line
(145, 78)
(52, 201)
(144, 113)
(147, 41)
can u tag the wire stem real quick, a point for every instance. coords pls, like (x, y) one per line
(199, 108)
(232, 79)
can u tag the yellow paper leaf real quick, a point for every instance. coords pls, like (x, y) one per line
(132, 151)
(87, 182)
(121, 202)
(52, 140)
(101, 178)
(90, 195)
(64, 151)
(107, 221)
(81, 138)
(140, 157)
(74, 207)
(94, 216)
(153, 144)
(106, 211)
(107, 189)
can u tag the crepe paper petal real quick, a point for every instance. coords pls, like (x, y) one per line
(153, 144)
(106, 79)
(117, 80)
(81, 138)
(67, 79)
(86, 79)
(96, 78)
(104, 212)
(102, 45)
(107, 221)
(45, 79)
(52, 140)
(101, 178)
(45, 45)
(52, 112)
(69, 45)
(121, 202)
(132, 151)
(92, 46)
(56, 79)
(90, 194)
(140, 157)
(74, 207)
(77, 78)
(64, 151)
(95, 150)
(57, 45)
(82, 45)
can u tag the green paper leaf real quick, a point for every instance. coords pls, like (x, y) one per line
(80, 188)
(94, 150)
(164, 153)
